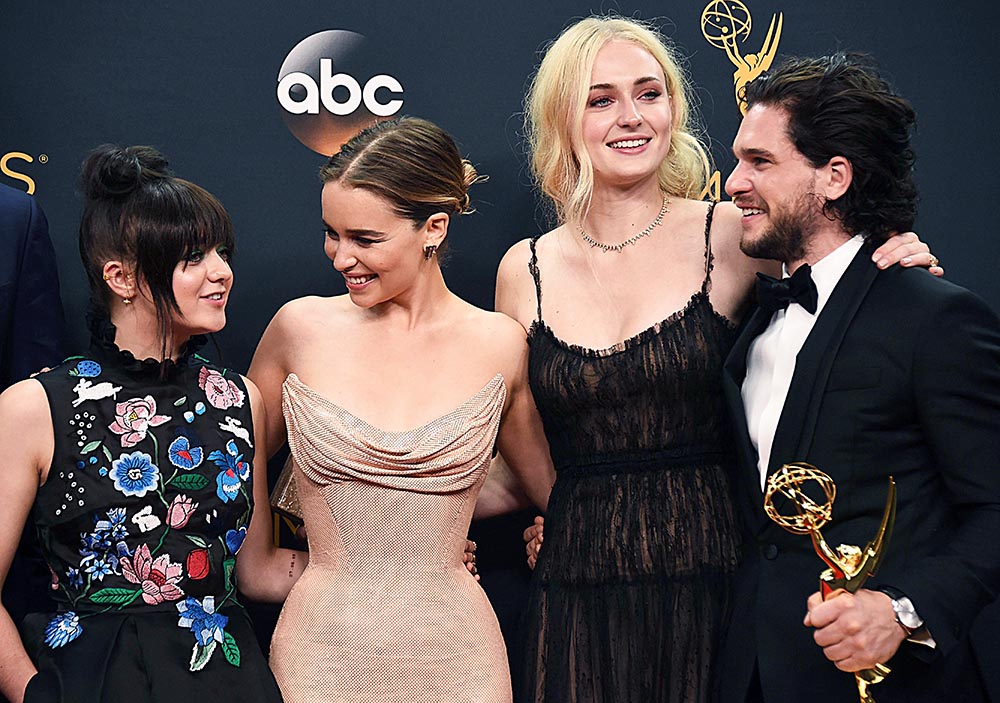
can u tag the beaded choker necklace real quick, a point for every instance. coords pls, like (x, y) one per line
(631, 240)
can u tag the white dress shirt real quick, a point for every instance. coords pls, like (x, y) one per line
(771, 358)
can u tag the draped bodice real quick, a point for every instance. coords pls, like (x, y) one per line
(406, 497)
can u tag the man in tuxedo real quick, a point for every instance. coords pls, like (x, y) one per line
(865, 374)
(31, 317)
(31, 332)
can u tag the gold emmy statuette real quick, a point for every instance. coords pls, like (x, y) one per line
(284, 497)
(724, 23)
(849, 566)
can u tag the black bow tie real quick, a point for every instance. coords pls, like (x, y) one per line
(774, 294)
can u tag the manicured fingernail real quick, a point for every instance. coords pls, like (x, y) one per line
(905, 261)
(882, 263)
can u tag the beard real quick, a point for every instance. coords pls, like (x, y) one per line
(789, 234)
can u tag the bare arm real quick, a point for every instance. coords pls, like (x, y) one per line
(501, 493)
(268, 371)
(522, 473)
(26, 446)
(264, 571)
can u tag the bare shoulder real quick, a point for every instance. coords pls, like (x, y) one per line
(727, 229)
(515, 292)
(301, 310)
(26, 433)
(25, 402)
(514, 263)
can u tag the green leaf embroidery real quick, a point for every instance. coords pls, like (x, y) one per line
(189, 482)
(201, 654)
(180, 401)
(91, 446)
(231, 650)
(107, 453)
(227, 568)
(114, 596)
(198, 540)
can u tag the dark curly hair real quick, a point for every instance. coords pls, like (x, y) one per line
(839, 105)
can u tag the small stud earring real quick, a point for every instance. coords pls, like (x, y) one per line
(127, 301)
(430, 250)
(107, 277)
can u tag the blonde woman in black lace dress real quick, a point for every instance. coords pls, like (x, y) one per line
(631, 306)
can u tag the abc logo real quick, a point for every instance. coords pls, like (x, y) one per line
(328, 91)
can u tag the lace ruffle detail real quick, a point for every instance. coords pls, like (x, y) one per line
(102, 344)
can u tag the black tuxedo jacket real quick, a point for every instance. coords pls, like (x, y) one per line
(31, 330)
(899, 377)
(31, 317)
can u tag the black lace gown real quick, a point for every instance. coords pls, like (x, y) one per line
(631, 589)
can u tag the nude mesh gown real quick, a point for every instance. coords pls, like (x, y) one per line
(386, 610)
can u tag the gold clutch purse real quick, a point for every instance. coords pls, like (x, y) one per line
(285, 497)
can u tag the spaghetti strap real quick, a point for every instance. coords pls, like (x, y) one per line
(533, 267)
(706, 285)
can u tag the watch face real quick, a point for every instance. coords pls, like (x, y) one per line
(910, 619)
(906, 615)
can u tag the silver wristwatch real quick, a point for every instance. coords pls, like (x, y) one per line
(906, 614)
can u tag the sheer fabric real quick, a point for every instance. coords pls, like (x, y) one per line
(631, 588)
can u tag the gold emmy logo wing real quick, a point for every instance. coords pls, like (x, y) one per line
(726, 24)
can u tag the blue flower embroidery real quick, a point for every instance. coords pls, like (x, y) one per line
(202, 620)
(102, 548)
(62, 629)
(183, 455)
(86, 368)
(234, 539)
(227, 485)
(100, 565)
(134, 474)
(234, 470)
(114, 526)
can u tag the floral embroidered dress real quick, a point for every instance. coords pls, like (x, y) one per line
(145, 507)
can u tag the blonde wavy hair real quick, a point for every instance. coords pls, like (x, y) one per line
(553, 116)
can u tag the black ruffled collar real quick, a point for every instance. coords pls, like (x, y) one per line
(102, 345)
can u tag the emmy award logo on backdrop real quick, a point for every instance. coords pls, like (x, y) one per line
(726, 24)
(810, 494)
(10, 171)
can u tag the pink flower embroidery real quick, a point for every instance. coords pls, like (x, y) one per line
(158, 579)
(180, 511)
(220, 391)
(134, 417)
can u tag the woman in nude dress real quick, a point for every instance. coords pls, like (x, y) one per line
(394, 396)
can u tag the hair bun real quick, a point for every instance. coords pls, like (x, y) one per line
(112, 171)
(469, 178)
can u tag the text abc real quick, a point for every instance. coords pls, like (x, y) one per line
(330, 81)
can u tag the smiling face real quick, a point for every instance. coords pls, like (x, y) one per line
(378, 252)
(201, 284)
(627, 119)
(775, 186)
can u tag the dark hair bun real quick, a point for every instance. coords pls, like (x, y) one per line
(112, 171)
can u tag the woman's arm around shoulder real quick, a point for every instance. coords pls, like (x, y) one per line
(26, 447)
(263, 571)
